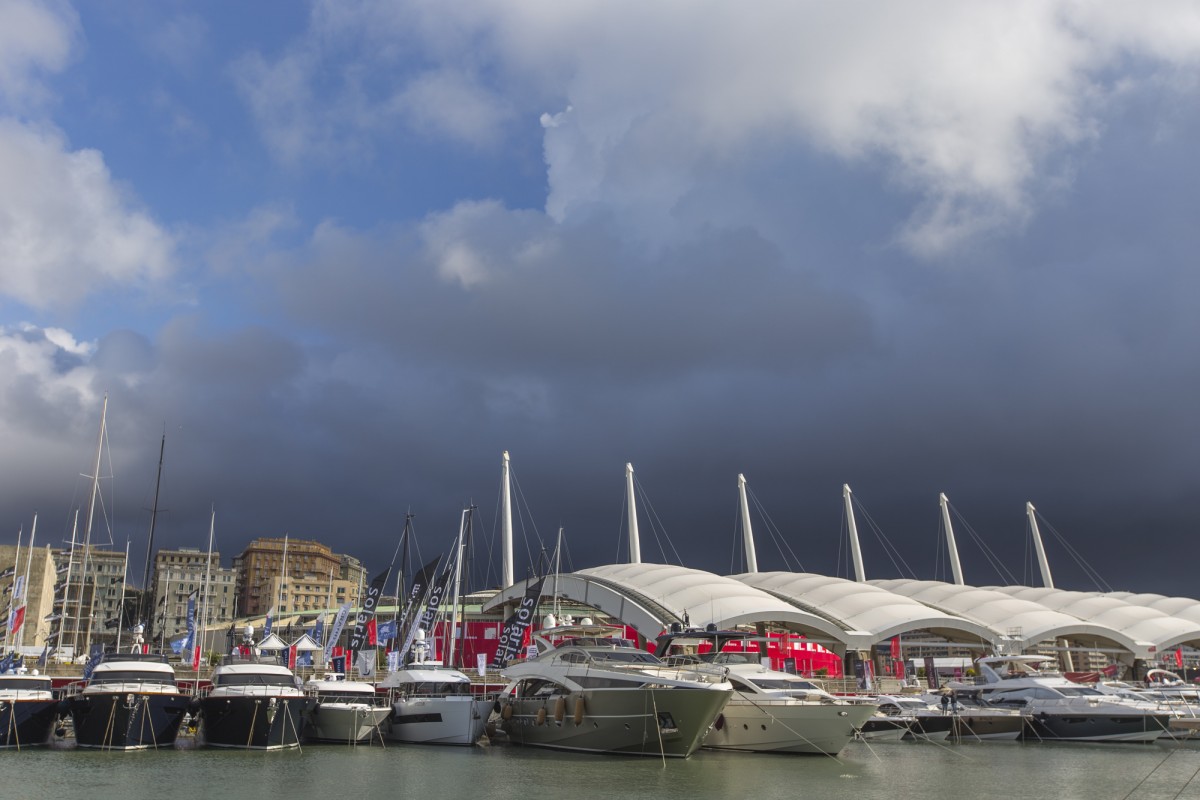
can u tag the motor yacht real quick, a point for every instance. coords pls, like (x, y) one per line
(345, 712)
(28, 709)
(1056, 709)
(770, 711)
(596, 692)
(432, 704)
(130, 702)
(255, 703)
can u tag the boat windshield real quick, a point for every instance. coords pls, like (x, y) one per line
(25, 684)
(789, 684)
(1078, 691)
(254, 679)
(129, 676)
(437, 688)
(629, 656)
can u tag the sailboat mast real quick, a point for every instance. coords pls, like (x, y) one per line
(462, 533)
(12, 599)
(212, 524)
(91, 516)
(25, 585)
(121, 606)
(747, 531)
(147, 607)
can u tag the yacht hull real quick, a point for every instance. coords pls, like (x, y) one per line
(126, 720)
(773, 726)
(1101, 727)
(26, 723)
(453, 720)
(341, 723)
(930, 727)
(253, 723)
(883, 729)
(667, 722)
(993, 727)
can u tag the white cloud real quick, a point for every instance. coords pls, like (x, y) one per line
(35, 37)
(66, 228)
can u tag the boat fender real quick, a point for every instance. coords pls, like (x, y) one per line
(541, 716)
(506, 712)
(579, 709)
(560, 709)
(720, 722)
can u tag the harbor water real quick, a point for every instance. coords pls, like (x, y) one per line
(882, 770)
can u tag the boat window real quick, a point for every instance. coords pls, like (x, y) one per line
(627, 656)
(573, 657)
(25, 684)
(594, 682)
(735, 658)
(782, 683)
(741, 686)
(129, 676)
(254, 679)
(438, 688)
(1078, 691)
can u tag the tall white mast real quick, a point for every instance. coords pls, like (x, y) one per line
(212, 525)
(67, 596)
(461, 544)
(87, 530)
(506, 522)
(860, 575)
(747, 531)
(1043, 563)
(282, 577)
(121, 606)
(955, 566)
(25, 586)
(635, 545)
(12, 600)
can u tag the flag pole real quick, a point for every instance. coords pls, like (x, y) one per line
(124, 586)
(11, 599)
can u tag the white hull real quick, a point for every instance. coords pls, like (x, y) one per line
(454, 720)
(346, 723)
(780, 726)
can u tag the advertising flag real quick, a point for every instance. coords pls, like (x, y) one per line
(339, 622)
(513, 635)
(358, 639)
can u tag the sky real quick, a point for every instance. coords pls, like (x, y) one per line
(342, 254)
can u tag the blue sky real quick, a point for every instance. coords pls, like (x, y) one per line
(345, 253)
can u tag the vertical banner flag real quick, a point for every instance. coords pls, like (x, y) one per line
(358, 639)
(339, 622)
(319, 630)
(513, 635)
(931, 677)
(292, 657)
(372, 633)
(267, 624)
(366, 664)
(386, 631)
(190, 642)
(436, 595)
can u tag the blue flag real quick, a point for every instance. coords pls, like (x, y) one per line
(319, 630)
(90, 667)
(177, 645)
(190, 641)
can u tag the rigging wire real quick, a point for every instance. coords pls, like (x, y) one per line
(994, 560)
(1091, 572)
(776, 535)
(890, 549)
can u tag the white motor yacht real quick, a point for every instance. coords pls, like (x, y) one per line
(432, 704)
(130, 702)
(346, 712)
(770, 711)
